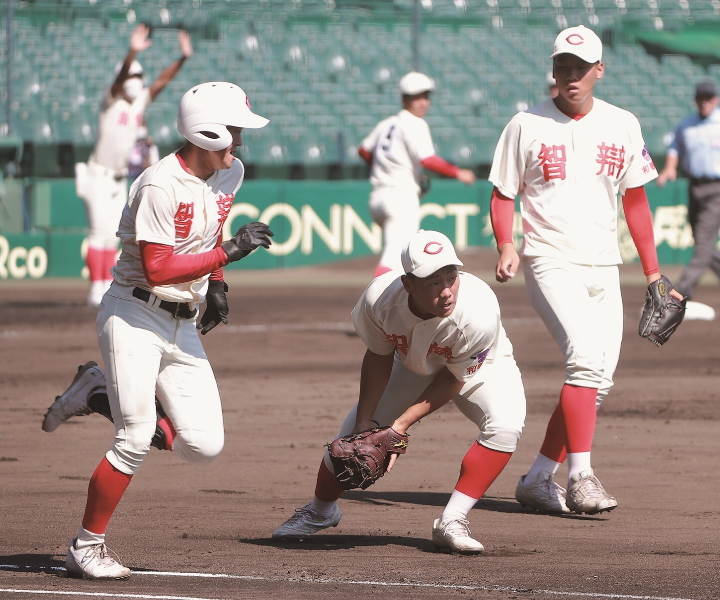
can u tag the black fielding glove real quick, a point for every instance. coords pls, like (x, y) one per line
(662, 313)
(247, 238)
(216, 307)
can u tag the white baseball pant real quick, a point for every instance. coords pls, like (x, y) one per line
(105, 198)
(397, 211)
(494, 399)
(147, 352)
(581, 306)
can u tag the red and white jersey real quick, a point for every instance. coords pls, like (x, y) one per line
(169, 206)
(471, 335)
(568, 174)
(118, 126)
(398, 145)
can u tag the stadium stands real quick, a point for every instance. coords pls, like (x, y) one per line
(325, 71)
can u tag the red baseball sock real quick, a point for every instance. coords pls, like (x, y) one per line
(327, 487)
(167, 427)
(109, 260)
(479, 469)
(95, 260)
(107, 486)
(578, 408)
(553, 446)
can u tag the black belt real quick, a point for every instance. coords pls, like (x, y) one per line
(696, 180)
(179, 310)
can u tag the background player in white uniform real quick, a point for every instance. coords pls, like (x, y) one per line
(143, 154)
(398, 149)
(568, 158)
(432, 335)
(102, 181)
(172, 257)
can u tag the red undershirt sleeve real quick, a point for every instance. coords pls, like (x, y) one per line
(640, 223)
(365, 155)
(162, 267)
(439, 165)
(217, 274)
(502, 217)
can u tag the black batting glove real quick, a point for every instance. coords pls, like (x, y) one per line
(247, 238)
(216, 307)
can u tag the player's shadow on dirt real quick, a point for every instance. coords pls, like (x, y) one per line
(32, 563)
(344, 542)
(42, 563)
(490, 503)
(495, 504)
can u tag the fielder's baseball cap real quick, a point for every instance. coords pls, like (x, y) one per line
(135, 68)
(581, 42)
(426, 252)
(706, 89)
(416, 83)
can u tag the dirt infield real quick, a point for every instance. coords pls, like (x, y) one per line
(288, 370)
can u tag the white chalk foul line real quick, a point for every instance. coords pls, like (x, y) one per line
(388, 584)
(103, 595)
(260, 328)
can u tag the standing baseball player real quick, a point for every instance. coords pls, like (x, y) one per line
(696, 149)
(568, 158)
(433, 335)
(171, 261)
(398, 149)
(102, 181)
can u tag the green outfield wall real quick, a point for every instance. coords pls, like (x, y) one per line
(313, 221)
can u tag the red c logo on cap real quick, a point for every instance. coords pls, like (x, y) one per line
(247, 102)
(433, 248)
(575, 42)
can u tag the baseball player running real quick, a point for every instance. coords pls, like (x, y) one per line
(398, 149)
(171, 261)
(568, 158)
(102, 181)
(433, 334)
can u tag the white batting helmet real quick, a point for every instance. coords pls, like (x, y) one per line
(207, 109)
(416, 83)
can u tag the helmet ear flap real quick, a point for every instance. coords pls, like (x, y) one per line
(209, 136)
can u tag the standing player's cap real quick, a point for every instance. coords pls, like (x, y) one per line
(581, 42)
(426, 252)
(705, 89)
(416, 83)
(207, 110)
(135, 69)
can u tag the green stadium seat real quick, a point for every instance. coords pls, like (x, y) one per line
(32, 124)
(316, 71)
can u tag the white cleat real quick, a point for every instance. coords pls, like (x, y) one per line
(697, 311)
(74, 401)
(93, 562)
(587, 495)
(543, 495)
(305, 522)
(454, 535)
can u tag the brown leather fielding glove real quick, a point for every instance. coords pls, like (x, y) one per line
(362, 458)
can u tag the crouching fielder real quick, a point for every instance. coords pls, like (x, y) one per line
(171, 261)
(433, 335)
